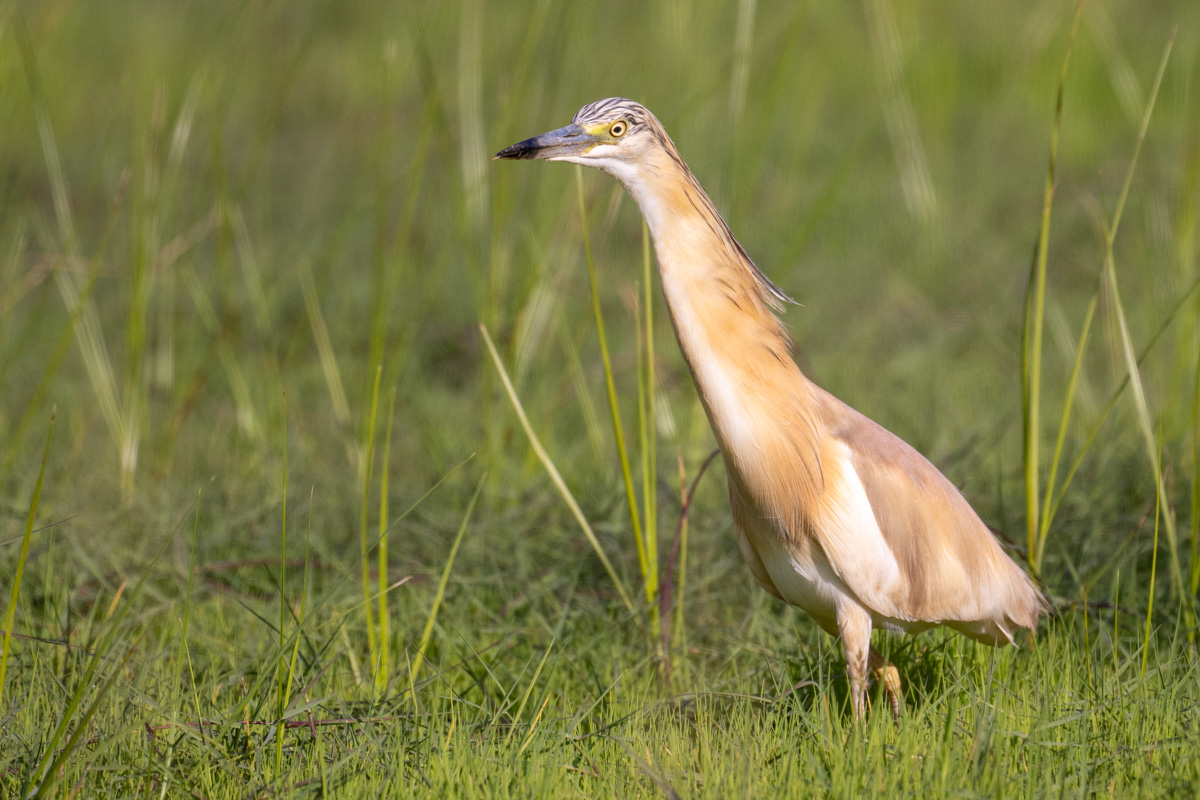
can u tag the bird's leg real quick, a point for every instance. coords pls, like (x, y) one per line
(854, 627)
(887, 672)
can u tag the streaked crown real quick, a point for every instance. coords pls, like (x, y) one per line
(611, 109)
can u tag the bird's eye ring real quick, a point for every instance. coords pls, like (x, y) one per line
(618, 128)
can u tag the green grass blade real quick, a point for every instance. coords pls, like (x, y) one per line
(368, 449)
(15, 594)
(1035, 312)
(679, 636)
(529, 690)
(280, 671)
(183, 656)
(289, 678)
(1168, 319)
(1047, 515)
(1194, 563)
(552, 471)
(1126, 342)
(1145, 424)
(441, 589)
(649, 579)
(385, 655)
(1158, 497)
(48, 771)
(650, 429)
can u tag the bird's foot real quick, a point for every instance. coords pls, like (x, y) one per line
(890, 677)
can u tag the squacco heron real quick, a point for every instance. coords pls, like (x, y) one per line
(834, 514)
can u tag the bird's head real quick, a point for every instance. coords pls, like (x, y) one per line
(615, 135)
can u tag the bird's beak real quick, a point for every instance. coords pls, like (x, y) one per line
(572, 140)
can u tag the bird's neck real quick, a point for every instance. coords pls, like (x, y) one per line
(736, 348)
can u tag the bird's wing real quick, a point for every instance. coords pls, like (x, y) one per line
(922, 553)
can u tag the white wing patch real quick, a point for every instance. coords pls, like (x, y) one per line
(849, 534)
(847, 557)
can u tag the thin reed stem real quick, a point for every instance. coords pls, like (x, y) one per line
(552, 471)
(1158, 496)
(1035, 312)
(11, 613)
(368, 449)
(280, 670)
(649, 575)
(385, 654)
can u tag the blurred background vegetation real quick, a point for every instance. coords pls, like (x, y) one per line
(207, 205)
(884, 165)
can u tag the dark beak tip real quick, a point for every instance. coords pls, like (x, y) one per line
(511, 152)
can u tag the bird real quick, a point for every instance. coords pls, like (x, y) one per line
(833, 513)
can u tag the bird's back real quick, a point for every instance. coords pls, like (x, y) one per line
(952, 569)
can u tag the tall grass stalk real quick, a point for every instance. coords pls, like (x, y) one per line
(1126, 342)
(384, 669)
(1158, 497)
(1194, 563)
(10, 615)
(1146, 426)
(1035, 312)
(648, 568)
(1116, 617)
(1047, 514)
(368, 451)
(280, 672)
(552, 471)
(303, 590)
(1180, 305)
(289, 677)
(647, 389)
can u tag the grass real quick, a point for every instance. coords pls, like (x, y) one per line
(227, 231)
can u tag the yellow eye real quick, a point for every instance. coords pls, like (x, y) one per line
(618, 128)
